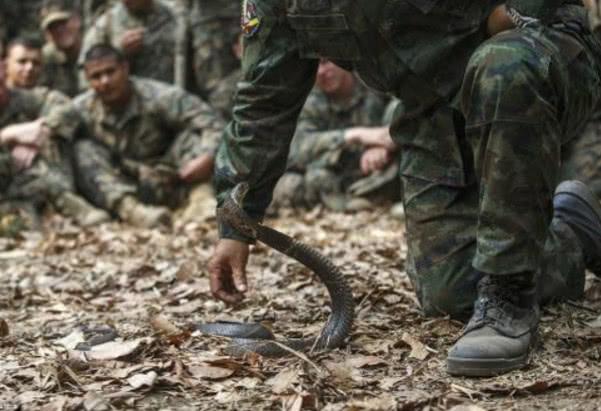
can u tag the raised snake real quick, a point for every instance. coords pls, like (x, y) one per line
(248, 337)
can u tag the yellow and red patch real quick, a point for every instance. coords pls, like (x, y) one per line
(250, 22)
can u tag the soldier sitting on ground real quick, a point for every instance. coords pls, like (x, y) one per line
(144, 31)
(23, 60)
(146, 142)
(341, 137)
(36, 128)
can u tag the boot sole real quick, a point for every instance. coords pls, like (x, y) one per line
(484, 368)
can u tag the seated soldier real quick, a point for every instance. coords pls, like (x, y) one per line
(341, 137)
(36, 127)
(60, 20)
(23, 61)
(145, 31)
(146, 141)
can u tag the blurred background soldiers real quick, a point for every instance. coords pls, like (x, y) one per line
(221, 97)
(214, 26)
(19, 18)
(37, 127)
(147, 141)
(23, 62)
(60, 21)
(145, 31)
(341, 137)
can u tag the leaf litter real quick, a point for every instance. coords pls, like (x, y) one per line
(151, 287)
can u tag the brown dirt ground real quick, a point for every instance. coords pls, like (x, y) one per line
(151, 286)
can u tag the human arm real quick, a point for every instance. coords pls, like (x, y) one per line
(255, 144)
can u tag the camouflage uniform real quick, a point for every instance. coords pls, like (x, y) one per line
(161, 125)
(583, 157)
(156, 59)
(480, 157)
(214, 26)
(51, 173)
(320, 167)
(59, 73)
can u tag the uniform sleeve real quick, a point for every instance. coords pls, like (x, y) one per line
(275, 84)
(60, 115)
(197, 126)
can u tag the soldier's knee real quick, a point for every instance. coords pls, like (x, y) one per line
(505, 78)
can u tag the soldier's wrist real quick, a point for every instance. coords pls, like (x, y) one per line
(227, 231)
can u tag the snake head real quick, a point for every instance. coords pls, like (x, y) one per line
(232, 212)
(239, 192)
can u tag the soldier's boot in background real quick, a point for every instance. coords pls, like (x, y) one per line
(142, 215)
(502, 330)
(84, 213)
(577, 206)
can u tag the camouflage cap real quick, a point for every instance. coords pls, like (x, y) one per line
(53, 13)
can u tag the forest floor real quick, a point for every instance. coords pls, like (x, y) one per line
(151, 286)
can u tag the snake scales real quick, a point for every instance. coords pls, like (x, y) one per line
(248, 337)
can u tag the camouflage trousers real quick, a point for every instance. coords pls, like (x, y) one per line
(106, 180)
(479, 198)
(582, 157)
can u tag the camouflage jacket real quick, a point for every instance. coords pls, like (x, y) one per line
(322, 123)
(160, 123)
(156, 60)
(58, 73)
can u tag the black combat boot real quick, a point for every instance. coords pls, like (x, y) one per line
(502, 329)
(577, 206)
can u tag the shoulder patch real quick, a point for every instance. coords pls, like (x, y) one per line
(250, 21)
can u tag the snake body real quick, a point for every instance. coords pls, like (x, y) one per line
(256, 338)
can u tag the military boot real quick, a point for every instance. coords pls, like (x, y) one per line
(502, 329)
(72, 205)
(143, 215)
(576, 206)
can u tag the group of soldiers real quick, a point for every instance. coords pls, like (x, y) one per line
(115, 109)
(123, 110)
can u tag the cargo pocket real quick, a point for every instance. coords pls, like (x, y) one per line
(325, 36)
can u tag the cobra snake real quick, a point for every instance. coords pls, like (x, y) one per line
(249, 337)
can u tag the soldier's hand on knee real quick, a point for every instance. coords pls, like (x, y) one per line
(227, 270)
(23, 156)
(373, 159)
(197, 169)
(132, 41)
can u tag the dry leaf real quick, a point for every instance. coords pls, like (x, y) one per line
(163, 325)
(142, 380)
(112, 350)
(467, 407)
(209, 372)
(283, 381)
(361, 361)
(418, 349)
(70, 341)
(292, 403)
(95, 402)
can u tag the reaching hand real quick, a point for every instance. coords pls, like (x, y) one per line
(227, 270)
(369, 137)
